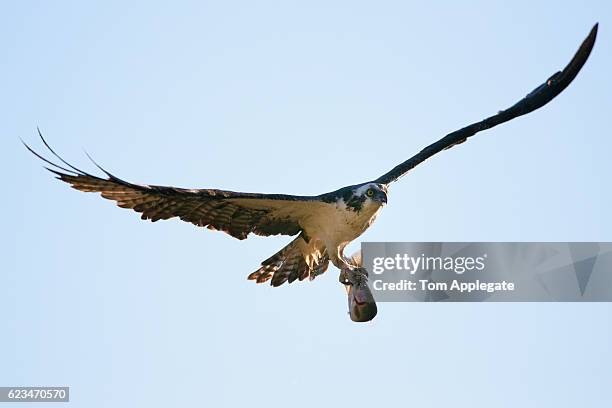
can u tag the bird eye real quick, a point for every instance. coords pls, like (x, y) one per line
(370, 192)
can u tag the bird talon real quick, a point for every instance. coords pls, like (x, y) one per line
(344, 277)
(353, 277)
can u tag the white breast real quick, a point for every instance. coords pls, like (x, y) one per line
(335, 225)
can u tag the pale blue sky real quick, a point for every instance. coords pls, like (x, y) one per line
(295, 97)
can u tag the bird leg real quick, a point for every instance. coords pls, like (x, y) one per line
(353, 276)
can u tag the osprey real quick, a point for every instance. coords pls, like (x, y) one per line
(323, 224)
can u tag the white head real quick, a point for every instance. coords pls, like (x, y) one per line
(367, 195)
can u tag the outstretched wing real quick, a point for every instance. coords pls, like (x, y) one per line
(237, 214)
(534, 100)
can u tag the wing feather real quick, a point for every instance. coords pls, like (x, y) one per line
(539, 97)
(235, 213)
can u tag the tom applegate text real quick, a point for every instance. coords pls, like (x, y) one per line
(455, 285)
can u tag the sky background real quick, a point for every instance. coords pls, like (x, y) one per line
(298, 98)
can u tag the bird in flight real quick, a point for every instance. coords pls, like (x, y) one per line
(323, 225)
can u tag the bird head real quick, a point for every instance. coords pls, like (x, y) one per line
(372, 193)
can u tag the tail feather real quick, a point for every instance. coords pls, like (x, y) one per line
(289, 264)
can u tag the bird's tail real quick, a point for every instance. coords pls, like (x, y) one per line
(291, 263)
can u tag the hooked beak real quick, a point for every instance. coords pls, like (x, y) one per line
(383, 197)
